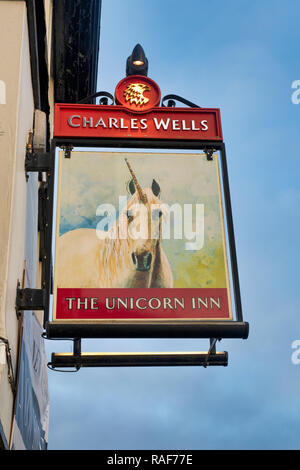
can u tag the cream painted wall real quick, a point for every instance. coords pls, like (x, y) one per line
(18, 198)
(13, 27)
(12, 16)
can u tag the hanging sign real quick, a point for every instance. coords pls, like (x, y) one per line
(138, 116)
(139, 237)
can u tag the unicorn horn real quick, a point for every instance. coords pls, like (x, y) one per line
(142, 196)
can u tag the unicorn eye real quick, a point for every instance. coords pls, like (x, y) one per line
(156, 214)
(129, 217)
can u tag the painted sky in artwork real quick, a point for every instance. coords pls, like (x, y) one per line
(91, 179)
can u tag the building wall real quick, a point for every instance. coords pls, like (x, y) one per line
(19, 197)
(26, 82)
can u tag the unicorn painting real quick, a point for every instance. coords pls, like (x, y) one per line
(129, 254)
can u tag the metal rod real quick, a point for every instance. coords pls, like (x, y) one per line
(48, 236)
(138, 143)
(139, 359)
(231, 237)
(77, 347)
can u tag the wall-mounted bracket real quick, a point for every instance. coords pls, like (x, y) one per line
(37, 161)
(209, 152)
(67, 150)
(31, 299)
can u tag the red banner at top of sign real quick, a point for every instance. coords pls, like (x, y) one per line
(137, 116)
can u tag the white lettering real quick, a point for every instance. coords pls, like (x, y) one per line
(86, 121)
(100, 122)
(204, 125)
(70, 302)
(93, 303)
(122, 302)
(83, 302)
(137, 303)
(133, 123)
(175, 125)
(144, 124)
(162, 124)
(184, 128)
(112, 122)
(70, 121)
(216, 302)
(193, 126)
(122, 124)
(155, 299)
(205, 303)
(107, 303)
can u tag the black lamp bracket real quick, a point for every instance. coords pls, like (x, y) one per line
(103, 95)
(172, 98)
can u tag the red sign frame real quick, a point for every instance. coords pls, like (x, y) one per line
(81, 304)
(118, 122)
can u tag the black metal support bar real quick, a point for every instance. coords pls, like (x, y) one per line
(138, 359)
(47, 259)
(31, 299)
(77, 347)
(138, 143)
(231, 237)
(201, 329)
(37, 161)
(43, 221)
(212, 348)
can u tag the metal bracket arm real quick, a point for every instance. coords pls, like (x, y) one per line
(37, 161)
(209, 152)
(31, 299)
(61, 360)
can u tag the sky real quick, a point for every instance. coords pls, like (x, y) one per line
(242, 57)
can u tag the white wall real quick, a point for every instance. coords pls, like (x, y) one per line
(18, 198)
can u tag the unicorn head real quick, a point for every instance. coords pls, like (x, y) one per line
(144, 218)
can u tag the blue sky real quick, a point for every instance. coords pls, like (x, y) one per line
(242, 57)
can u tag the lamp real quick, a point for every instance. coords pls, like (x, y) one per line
(137, 63)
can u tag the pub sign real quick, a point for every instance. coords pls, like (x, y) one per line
(139, 235)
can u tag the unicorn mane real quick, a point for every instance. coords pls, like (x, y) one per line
(114, 251)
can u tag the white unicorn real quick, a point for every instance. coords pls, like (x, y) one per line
(112, 260)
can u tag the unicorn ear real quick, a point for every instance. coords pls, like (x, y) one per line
(131, 187)
(155, 188)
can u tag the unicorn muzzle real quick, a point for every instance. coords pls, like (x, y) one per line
(142, 261)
